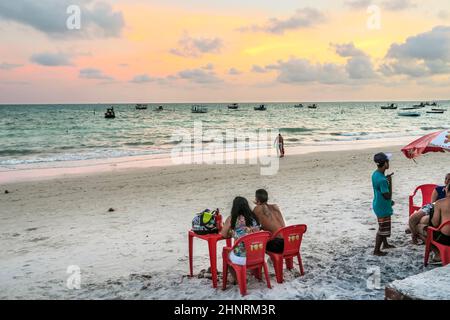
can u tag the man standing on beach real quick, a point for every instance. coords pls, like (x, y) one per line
(279, 144)
(382, 202)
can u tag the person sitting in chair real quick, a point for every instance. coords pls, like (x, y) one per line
(271, 219)
(420, 219)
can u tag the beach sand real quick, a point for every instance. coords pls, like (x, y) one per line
(140, 251)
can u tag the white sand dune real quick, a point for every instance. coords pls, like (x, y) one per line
(139, 251)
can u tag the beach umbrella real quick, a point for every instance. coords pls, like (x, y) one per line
(433, 142)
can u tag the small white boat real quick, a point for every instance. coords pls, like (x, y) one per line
(409, 114)
(260, 108)
(199, 109)
(298, 105)
(233, 106)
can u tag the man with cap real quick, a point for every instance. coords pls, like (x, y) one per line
(382, 202)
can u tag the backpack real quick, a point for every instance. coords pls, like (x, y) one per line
(205, 222)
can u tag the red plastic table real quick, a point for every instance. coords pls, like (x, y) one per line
(212, 246)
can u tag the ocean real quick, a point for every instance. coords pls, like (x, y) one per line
(31, 134)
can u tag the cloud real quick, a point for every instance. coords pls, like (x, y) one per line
(359, 4)
(49, 59)
(443, 14)
(9, 66)
(358, 69)
(302, 18)
(92, 73)
(234, 72)
(425, 54)
(303, 71)
(142, 78)
(199, 76)
(398, 5)
(359, 65)
(97, 18)
(195, 47)
(259, 69)
(347, 50)
(209, 66)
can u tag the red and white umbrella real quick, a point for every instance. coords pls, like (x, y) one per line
(433, 142)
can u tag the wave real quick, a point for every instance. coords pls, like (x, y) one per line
(349, 134)
(293, 130)
(17, 152)
(145, 143)
(435, 128)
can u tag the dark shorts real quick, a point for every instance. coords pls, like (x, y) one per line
(384, 227)
(442, 238)
(275, 245)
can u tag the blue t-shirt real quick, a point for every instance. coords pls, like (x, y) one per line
(441, 192)
(381, 206)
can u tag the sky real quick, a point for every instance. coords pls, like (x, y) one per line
(150, 51)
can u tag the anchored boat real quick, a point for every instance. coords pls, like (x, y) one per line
(262, 107)
(199, 109)
(110, 114)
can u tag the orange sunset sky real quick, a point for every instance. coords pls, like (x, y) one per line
(224, 51)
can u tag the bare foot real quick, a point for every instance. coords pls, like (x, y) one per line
(389, 246)
(379, 253)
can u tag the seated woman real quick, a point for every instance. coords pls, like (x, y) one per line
(420, 219)
(241, 222)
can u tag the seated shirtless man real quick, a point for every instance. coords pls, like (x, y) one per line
(270, 218)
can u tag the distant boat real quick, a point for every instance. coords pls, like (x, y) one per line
(392, 106)
(233, 106)
(436, 112)
(199, 109)
(409, 114)
(298, 105)
(443, 110)
(419, 106)
(140, 106)
(313, 106)
(159, 108)
(109, 114)
(262, 107)
(409, 108)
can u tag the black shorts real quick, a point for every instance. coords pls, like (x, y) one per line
(440, 237)
(275, 245)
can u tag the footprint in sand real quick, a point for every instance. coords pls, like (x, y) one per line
(31, 229)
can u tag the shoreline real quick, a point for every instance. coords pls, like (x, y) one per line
(52, 170)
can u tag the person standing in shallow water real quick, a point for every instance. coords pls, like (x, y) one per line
(279, 143)
(382, 202)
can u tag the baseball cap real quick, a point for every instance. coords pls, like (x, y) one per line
(382, 157)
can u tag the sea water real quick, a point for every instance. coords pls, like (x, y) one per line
(31, 134)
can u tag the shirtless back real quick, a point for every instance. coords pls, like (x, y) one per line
(442, 214)
(269, 216)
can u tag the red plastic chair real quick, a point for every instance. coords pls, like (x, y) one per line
(427, 191)
(255, 248)
(292, 236)
(443, 250)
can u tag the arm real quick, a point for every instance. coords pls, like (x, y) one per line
(386, 188)
(434, 196)
(225, 232)
(437, 215)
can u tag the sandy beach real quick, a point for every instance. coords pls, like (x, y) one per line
(139, 251)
